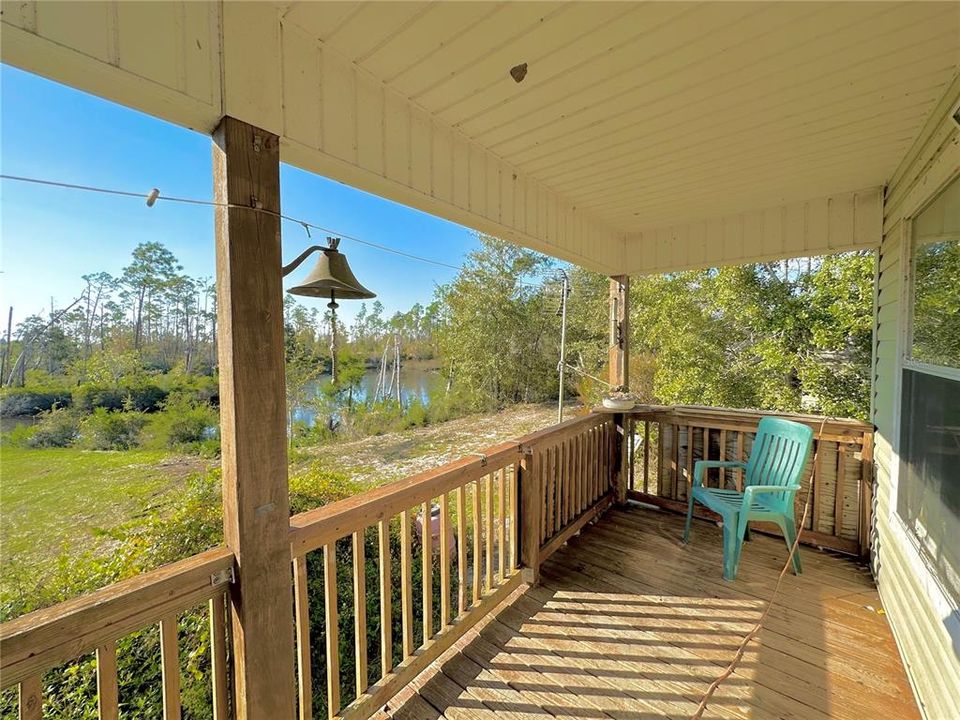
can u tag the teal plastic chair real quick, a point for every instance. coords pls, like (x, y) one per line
(772, 479)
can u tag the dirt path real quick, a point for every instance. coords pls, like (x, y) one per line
(387, 457)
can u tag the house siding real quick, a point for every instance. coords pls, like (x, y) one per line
(925, 621)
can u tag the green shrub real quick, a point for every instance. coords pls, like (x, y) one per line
(110, 430)
(58, 427)
(19, 402)
(142, 396)
(187, 424)
(416, 413)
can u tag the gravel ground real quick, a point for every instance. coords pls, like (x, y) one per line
(387, 457)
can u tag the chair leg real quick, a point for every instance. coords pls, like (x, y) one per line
(789, 528)
(743, 530)
(731, 550)
(686, 528)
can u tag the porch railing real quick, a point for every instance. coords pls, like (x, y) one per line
(422, 560)
(33, 644)
(668, 440)
(401, 572)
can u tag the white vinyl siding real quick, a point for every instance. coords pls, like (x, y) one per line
(925, 623)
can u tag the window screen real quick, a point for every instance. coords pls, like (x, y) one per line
(928, 496)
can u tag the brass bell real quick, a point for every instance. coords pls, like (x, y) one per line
(330, 278)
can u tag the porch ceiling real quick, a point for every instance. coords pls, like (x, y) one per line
(640, 135)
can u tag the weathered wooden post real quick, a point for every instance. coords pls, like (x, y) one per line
(246, 168)
(531, 502)
(619, 360)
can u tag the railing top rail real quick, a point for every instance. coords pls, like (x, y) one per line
(561, 431)
(707, 413)
(45, 638)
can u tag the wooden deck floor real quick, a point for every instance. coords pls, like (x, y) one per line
(630, 624)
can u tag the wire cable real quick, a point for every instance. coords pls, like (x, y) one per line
(156, 196)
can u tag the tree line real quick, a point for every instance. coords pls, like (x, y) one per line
(788, 335)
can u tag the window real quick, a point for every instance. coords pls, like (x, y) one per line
(928, 494)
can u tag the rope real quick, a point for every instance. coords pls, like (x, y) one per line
(579, 371)
(738, 656)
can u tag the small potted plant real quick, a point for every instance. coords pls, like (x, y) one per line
(619, 399)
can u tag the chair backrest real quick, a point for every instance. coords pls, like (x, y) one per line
(779, 454)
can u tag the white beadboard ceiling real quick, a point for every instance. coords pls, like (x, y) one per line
(637, 126)
(656, 113)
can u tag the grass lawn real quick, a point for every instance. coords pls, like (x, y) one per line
(54, 498)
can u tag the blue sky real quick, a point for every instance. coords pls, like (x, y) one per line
(51, 237)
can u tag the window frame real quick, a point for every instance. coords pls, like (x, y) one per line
(915, 205)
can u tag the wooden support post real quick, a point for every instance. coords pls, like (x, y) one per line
(531, 501)
(619, 351)
(256, 507)
(619, 359)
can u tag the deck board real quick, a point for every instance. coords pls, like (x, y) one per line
(629, 624)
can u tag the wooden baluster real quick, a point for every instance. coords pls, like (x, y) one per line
(557, 475)
(675, 480)
(514, 518)
(488, 521)
(565, 478)
(866, 494)
(601, 460)
(601, 450)
(502, 525)
(548, 468)
(722, 458)
(461, 550)
(738, 479)
(426, 538)
(218, 657)
(689, 478)
(170, 667)
(646, 456)
(360, 609)
(386, 632)
(578, 494)
(30, 700)
(592, 465)
(541, 513)
(815, 478)
(607, 460)
(406, 584)
(477, 551)
(841, 479)
(558, 480)
(445, 559)
(301, 610)
(332, 626)
(706, 453)
(661, 492)
(107, 691)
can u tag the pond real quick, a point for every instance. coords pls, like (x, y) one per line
(417, 380)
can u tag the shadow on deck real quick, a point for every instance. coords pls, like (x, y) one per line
(630, 624)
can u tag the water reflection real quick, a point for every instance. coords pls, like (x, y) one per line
(415, 383)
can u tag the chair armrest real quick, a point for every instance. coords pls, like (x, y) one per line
(751, 490)
(702, 465)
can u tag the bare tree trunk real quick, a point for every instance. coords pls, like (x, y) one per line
(6, 347)
(397, 363)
